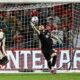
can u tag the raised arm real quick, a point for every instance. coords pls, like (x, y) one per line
(35, 28)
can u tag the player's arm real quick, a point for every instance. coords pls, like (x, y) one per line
(2, 40)
(56, 38)
(35, 28)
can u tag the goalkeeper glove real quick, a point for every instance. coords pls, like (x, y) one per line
(32, 24)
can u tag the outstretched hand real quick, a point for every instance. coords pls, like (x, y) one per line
(32, 24)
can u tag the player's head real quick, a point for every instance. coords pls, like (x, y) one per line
(41, 28)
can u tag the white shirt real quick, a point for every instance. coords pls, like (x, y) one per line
(2, 44)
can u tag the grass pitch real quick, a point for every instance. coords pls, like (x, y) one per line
(69, 76)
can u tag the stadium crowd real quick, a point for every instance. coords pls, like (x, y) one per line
(19, 34)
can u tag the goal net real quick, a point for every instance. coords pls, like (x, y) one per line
(22, 43)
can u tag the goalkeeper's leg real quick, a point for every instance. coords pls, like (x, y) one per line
(49, 64)
(53, 62)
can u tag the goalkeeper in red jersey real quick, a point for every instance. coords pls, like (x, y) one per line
(46, 39)
(4, 59)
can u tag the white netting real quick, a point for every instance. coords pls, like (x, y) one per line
(15, 18)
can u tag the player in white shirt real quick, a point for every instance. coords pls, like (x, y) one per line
(3, 54)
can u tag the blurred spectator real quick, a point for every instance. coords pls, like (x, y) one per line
(66, 30)
(7, 21)
(18, 41)
(55, 30)
(34, 12)
(5, 28)
(50, 24)
(56, 18)
(13, 29)
(16, 32)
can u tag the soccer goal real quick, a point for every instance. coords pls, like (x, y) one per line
(22, 43)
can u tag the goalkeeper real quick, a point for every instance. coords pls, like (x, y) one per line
(46, 39)
(4, 59)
